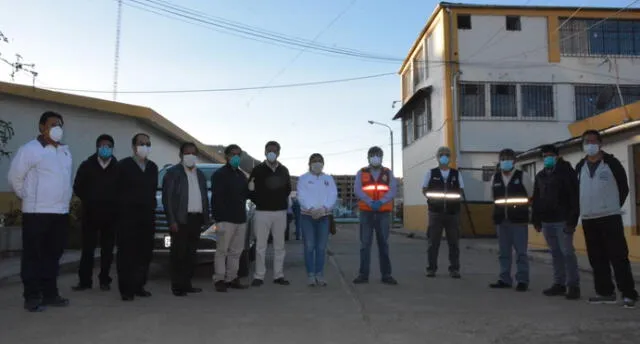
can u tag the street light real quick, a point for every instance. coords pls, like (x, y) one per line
(390, 134)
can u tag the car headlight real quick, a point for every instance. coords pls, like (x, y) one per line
(211, 230)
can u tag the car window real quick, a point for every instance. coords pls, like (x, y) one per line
(208, 172)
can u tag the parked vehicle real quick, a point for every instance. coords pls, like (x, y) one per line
(208, 238)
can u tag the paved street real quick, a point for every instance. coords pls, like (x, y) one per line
(419, 310)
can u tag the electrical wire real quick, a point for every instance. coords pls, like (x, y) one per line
(234, 89)
(340, 152)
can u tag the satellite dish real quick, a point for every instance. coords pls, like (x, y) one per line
(605, 97)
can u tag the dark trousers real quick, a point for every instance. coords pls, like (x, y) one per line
(378, 224)
(451, 225)
(97, 224)
(44, 237)
(134, 238)
(606, 248)
(184, 244)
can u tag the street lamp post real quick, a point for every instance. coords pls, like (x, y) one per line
(391, 136)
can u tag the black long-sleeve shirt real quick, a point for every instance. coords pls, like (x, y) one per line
(96, 185)
(556, 195)
(137, 188)
(229, 193)
(271, 187)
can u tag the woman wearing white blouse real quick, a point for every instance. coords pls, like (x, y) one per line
(317, 194)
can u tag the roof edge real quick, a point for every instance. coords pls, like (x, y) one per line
(424, 30)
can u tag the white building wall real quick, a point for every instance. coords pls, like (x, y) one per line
(81, 128)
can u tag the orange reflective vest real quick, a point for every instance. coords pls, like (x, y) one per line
(375, 189)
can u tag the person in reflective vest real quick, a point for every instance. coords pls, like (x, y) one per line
(443, 187)
(375, 186)
(512, 189)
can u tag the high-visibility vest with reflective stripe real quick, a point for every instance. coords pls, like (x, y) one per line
(375, 189)
(443, 196)
(510, 201)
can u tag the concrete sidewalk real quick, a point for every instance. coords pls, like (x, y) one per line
(10, 267)
(491, 245)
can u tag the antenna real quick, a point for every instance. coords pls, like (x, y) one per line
(18, 65)
(117, 53)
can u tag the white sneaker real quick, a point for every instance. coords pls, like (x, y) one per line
(320, 281)
(311, 281)
(628, 303)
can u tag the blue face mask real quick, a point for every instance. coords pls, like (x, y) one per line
(444, 160)
(506, 165)
(549, 161)
(105, 152)
(234, 161)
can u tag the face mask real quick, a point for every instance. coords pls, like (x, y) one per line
(105, 152)
(234, 161)
(189, 160)
(316, 167)
(375, 161)
(143, 151)
(55, 133)
(591, 149)
(549, 161)
(444, 160)
(271, 157)
(506, 165)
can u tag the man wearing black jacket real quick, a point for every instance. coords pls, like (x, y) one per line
(555, 211)
(95, 185)
(137, 182)
(269, 189)
(228, 198)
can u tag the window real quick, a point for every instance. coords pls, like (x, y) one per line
(406, 84)
(428, 114)
(464, 21)
(417, 121)
(472, 102)
(488, 172)
(586, 97)
(530, 169)
(513, 23)
(419, 68)
(503, 101)
(591, 37)
(537, 100)
(407, 130)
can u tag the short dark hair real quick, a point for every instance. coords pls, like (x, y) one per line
(230, 148)
(507, 152)
(186, 145)
(272, 143)
(134, 139)
(48, 114)
(316, 155)
(592, 132)
(374, 150)
(549, 149)
(104, 137)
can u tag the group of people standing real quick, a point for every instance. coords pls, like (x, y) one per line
(595, 191)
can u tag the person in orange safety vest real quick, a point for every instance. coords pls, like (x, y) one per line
(375, 186)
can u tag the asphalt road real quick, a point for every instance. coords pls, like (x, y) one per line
(418, 310)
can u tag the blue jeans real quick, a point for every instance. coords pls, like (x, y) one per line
(296, 217)
(316, 235)
(565, 262)
(379, 223)
(513, 236)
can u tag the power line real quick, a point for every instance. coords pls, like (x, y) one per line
(341, 152)
(236, 89)
(244, 31)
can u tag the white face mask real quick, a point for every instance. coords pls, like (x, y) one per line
(143, 151)
(55, 133)
(375, 161)
(271, 157)
(316, 167)
(189, 160)
(591, 149)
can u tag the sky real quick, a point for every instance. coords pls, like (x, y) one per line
(72, 43)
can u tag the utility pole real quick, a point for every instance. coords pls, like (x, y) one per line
(117, 53)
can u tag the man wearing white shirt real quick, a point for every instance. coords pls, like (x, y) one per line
(317, 194)
(443, 189)
(40, 175)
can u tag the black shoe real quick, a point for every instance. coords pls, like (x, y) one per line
(500, 285)
(34, 306)
(455, 274)
(389, 281)
(179, 292)
(281, 281)
(81, 287)
(193, 290)
(431, 273)
(57, 301)
(235, 284)
(127, 297)
(360, 280)
(257, 282)
(143, 293)
(105, 287)
(221, 286)
(573, 293)
(522, 287)
(555, 290)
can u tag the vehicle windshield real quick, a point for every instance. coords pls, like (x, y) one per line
(208, 172)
